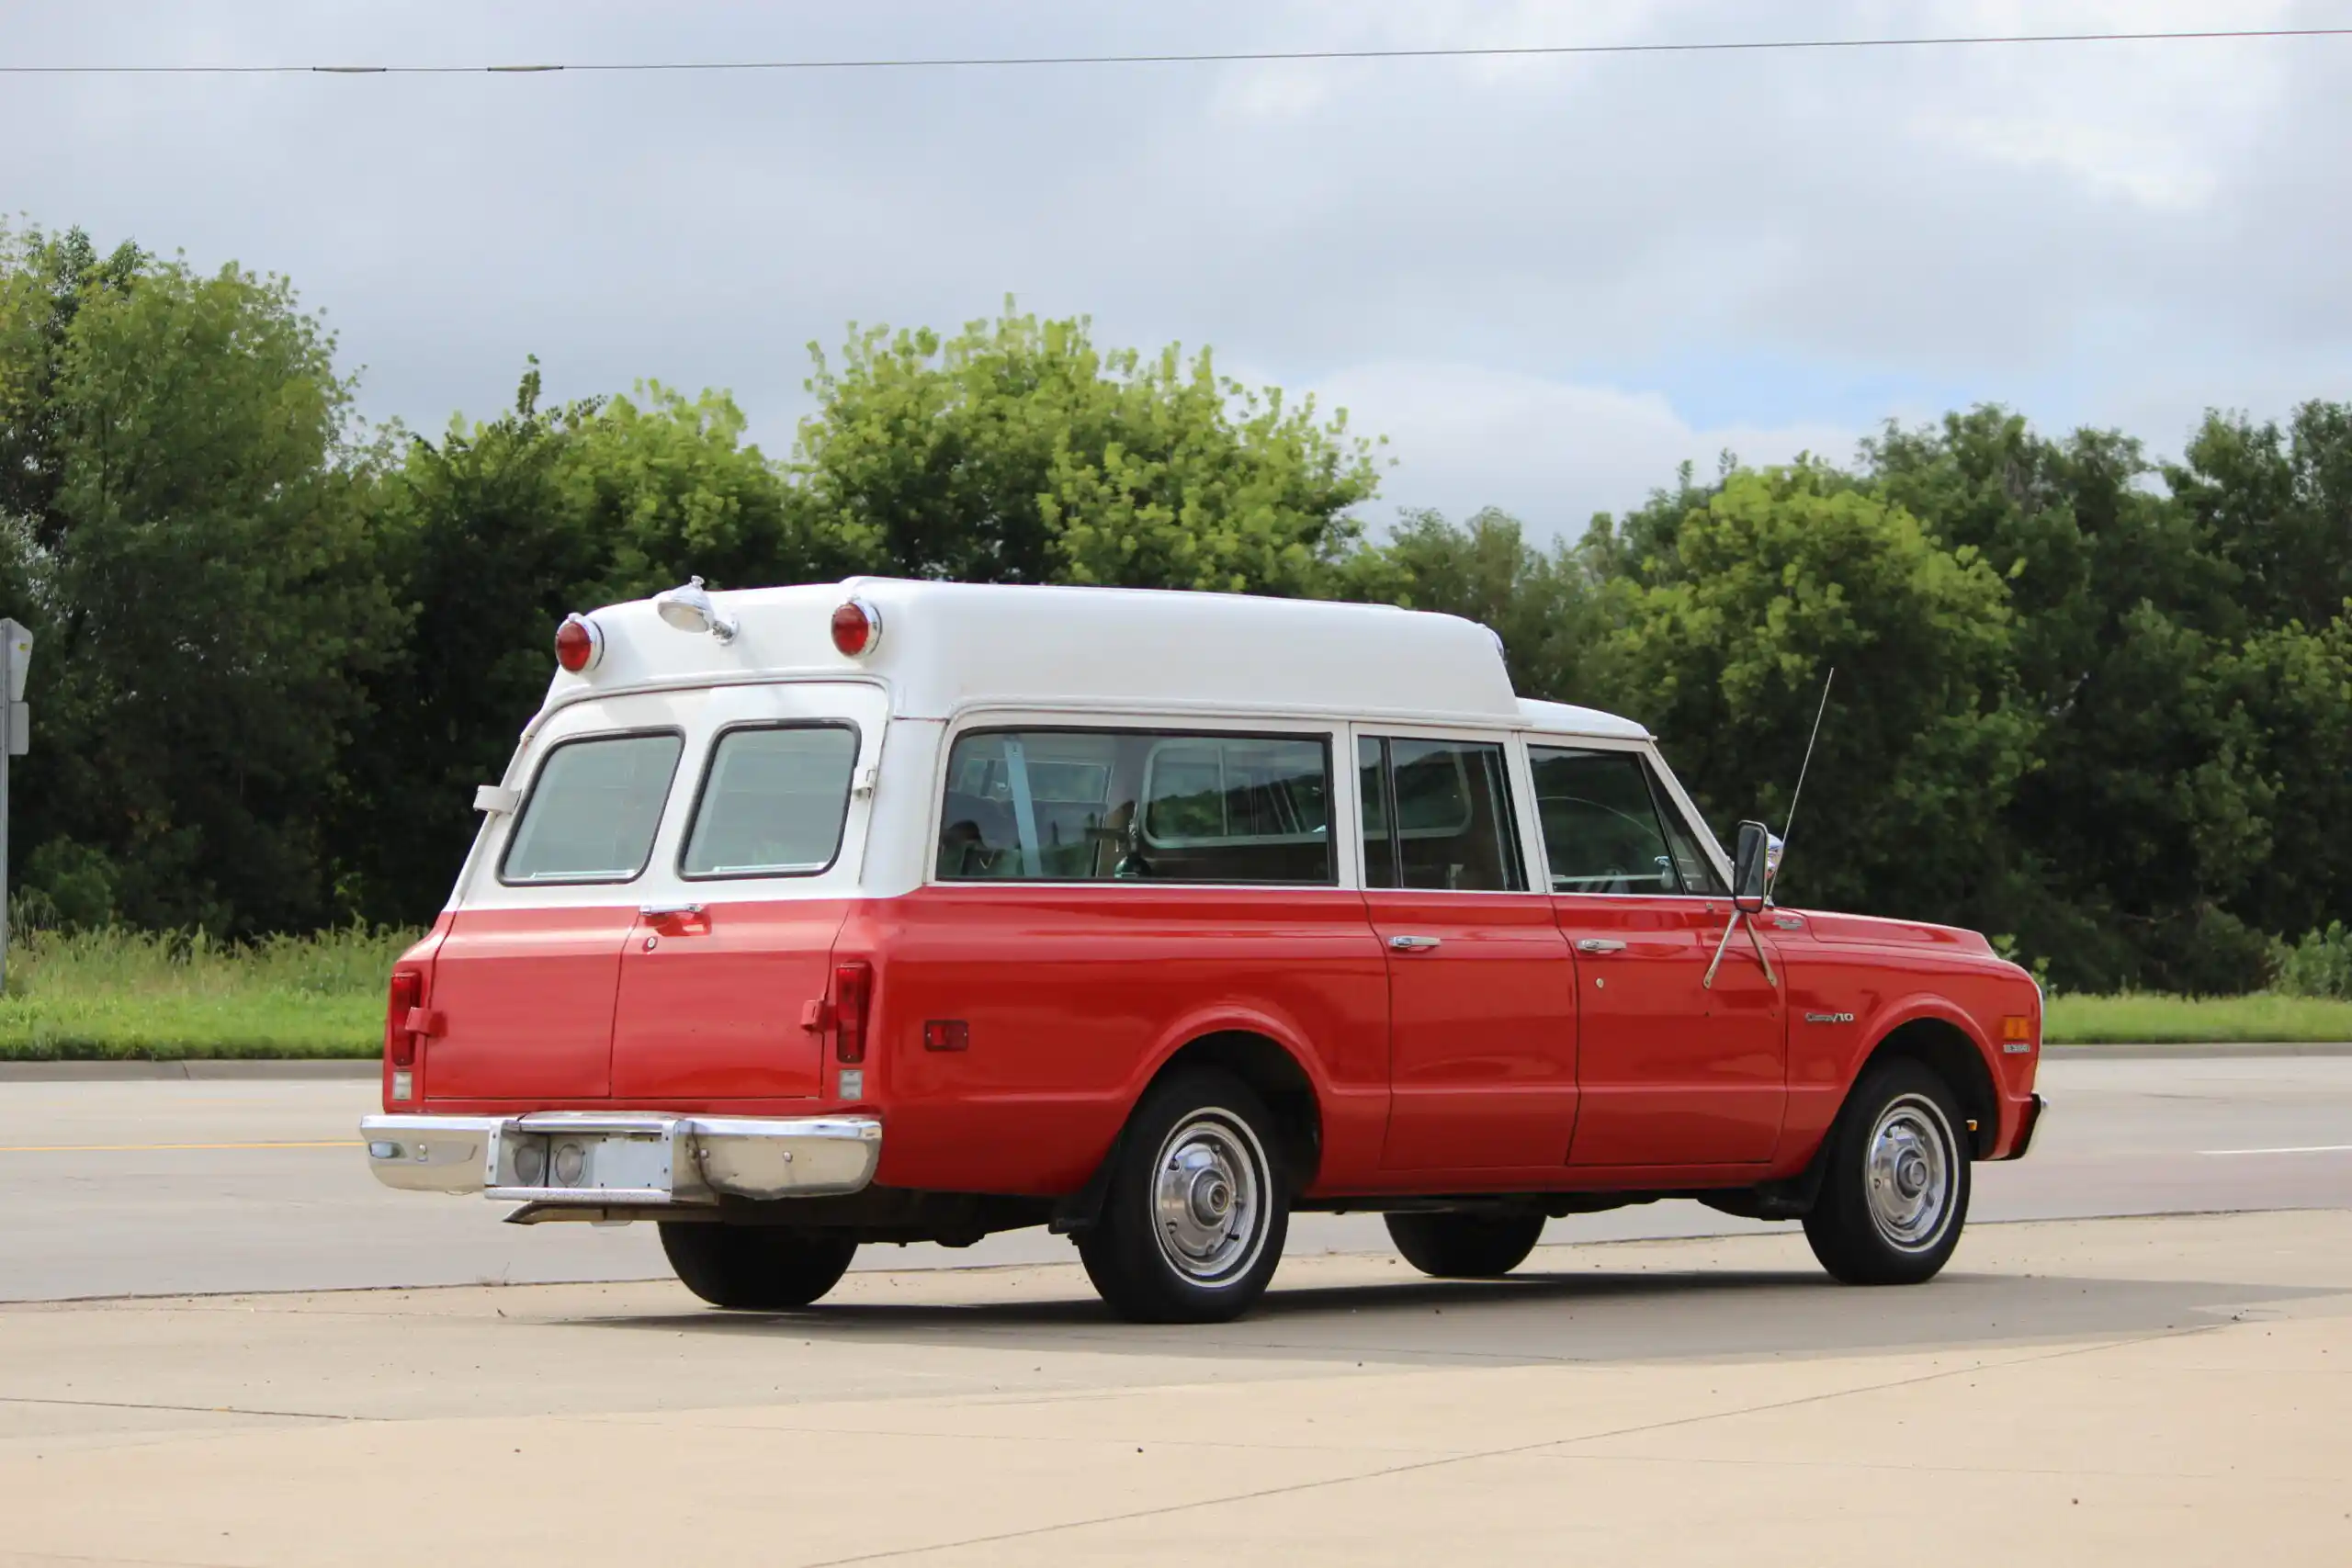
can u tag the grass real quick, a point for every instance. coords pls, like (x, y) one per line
(2149, 1020)
(94, 996)
(117, 995)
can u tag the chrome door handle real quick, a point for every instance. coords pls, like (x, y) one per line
(1599, 944)
(1412, 943)
(667, 911)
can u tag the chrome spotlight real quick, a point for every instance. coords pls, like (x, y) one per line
(690, 609)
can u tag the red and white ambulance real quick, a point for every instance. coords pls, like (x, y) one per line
(894, 911)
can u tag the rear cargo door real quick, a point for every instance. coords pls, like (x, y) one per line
(525, 1003)
(731, 942)
(524, 984)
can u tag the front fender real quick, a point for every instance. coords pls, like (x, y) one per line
(1894, 1012)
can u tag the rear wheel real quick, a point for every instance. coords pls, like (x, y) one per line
(753, 1268)
(1198, 1205)
(1895, 1192)
(1465, 1246)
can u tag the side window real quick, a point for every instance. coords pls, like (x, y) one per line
(773, 799)
(592, 810)
(1379, 848)
(1437, 815)
(1227, 793)
(1699, 873)
(1146, 805)
(1604, 828)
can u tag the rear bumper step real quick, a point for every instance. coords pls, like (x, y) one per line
(602, 1159)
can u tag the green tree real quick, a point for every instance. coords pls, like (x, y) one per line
(2275, 506)
(1541, 603)
(2140, 835)
(672, 488)
(182, 495)
(1018, 451)
(2292, 691)
(491, 535)
(1723, 632)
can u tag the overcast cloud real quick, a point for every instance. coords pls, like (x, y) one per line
(1546, 281)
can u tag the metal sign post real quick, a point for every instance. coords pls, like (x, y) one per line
(16, 726)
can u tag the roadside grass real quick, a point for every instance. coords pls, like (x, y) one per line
(2200, 1020)
(96, 996)
(120, 995)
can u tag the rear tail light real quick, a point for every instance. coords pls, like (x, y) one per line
(579, 644)
(853, 996)
(857, 627)
(408, 993)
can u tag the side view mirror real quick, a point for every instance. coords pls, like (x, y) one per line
(1748, 865)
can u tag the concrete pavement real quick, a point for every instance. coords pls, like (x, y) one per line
(2136, 1391)
(156, 1187)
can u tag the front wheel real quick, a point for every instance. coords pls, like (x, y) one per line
(1465, 1246)
(755, 1267)
(1198, 1207)
(1895, 1192)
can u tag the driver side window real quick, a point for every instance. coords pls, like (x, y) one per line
(1606, 832)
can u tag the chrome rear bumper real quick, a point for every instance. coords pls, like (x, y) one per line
(623, 1159)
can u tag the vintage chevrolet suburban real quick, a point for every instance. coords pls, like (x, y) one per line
(892, 911)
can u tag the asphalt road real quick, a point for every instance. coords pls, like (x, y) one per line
(160, 1187)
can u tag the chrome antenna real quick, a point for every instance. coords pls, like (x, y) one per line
(1789, 828)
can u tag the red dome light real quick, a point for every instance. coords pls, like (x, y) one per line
(578, 644)
(857, 627)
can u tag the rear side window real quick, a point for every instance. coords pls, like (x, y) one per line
(593, 809)
(1142, 806)
(1606, 829)
(773, 800)
(1437, 815)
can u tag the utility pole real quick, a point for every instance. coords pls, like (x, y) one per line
(16, 726)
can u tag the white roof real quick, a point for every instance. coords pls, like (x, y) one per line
(947, 645)
(1566, 719)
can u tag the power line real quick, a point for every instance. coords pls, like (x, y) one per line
(1224, 58)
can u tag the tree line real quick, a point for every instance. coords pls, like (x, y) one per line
(2095, 704)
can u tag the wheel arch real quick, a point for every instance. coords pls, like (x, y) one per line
(1271, 1067)
(1278, 1078)
(1949, 1049)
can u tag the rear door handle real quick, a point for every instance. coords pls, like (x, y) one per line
(1412, 943)
(1599, 944)
(668, 911)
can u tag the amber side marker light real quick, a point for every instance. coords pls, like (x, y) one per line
(2016, 1034)
(579, 645)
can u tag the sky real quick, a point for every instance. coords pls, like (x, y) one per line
(1545, 281)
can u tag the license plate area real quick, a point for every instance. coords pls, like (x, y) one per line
(582, 1165)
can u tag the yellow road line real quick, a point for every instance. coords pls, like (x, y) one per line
(154, 1148)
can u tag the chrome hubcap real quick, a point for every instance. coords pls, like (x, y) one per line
(1209, 1197)
(1909, 1174)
